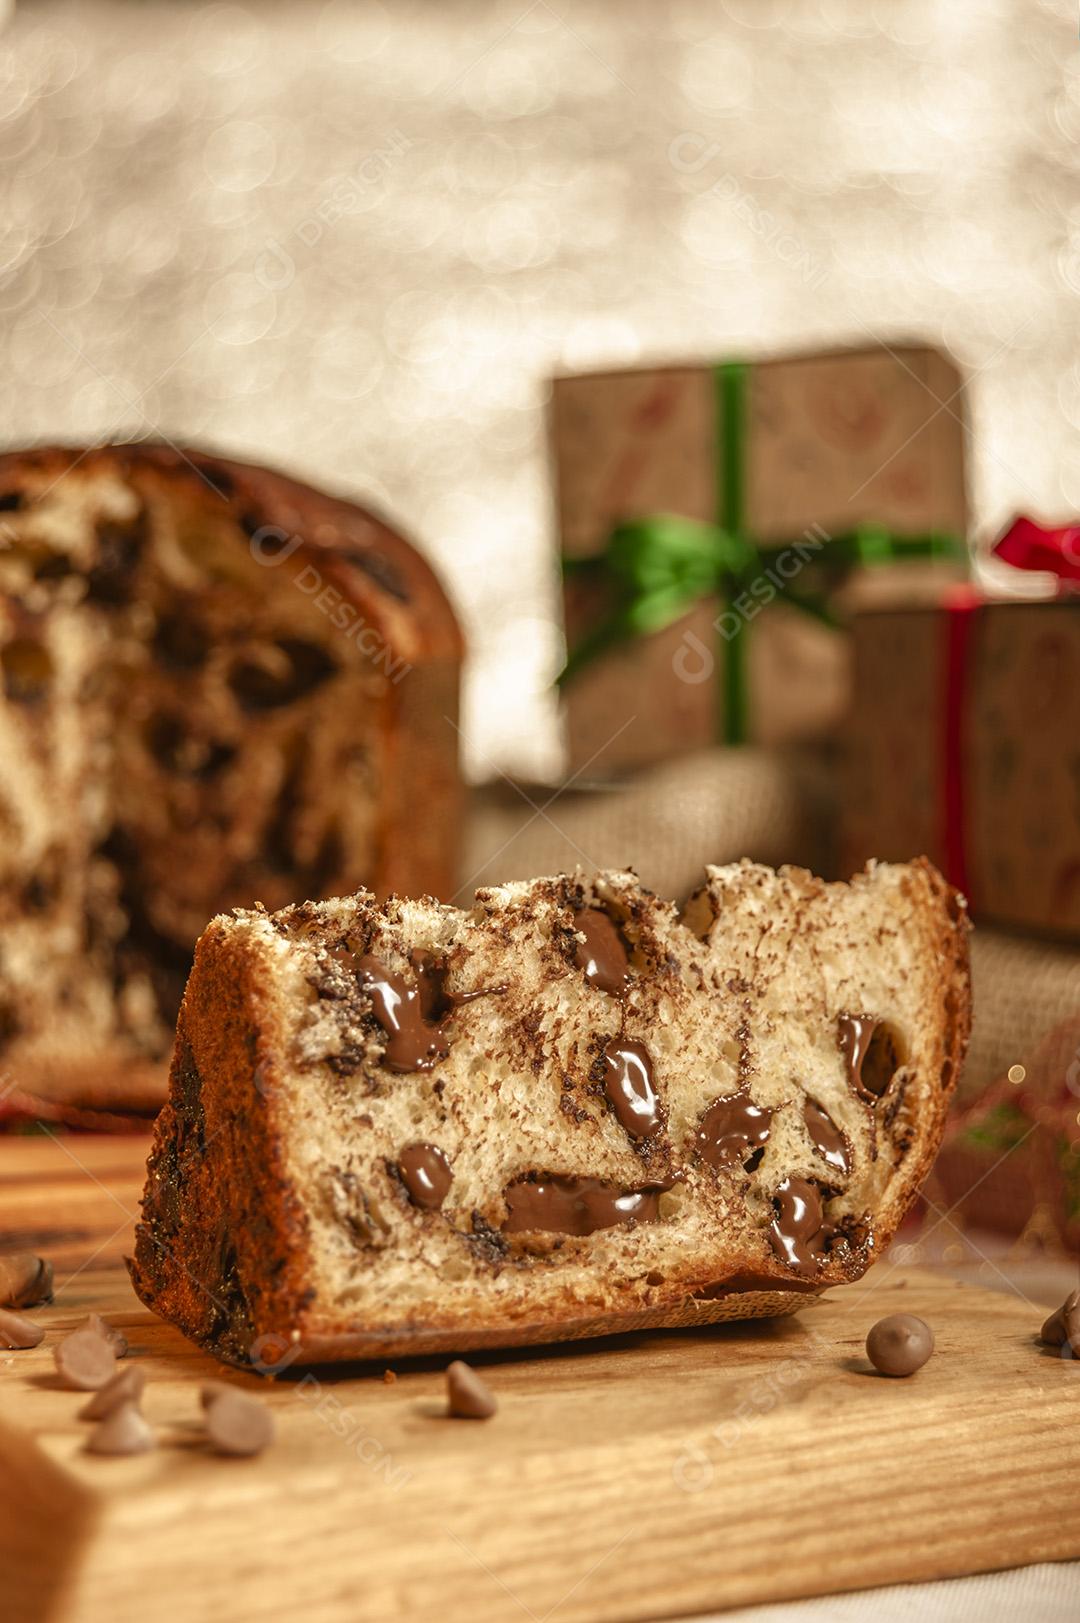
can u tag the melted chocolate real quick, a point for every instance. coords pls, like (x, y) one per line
(294, 669)
(602, 955)
(577, 1206)
(413, 1043)
(436, 1002)
(628, 1083)
(800, 1232)
(425, 1172)
(830, 1141)
(412, 1016)
(732, 1129)
(854, 1034)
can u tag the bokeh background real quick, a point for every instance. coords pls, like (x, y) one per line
(356, 238)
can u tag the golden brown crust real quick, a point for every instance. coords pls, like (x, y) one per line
(405, 827)
(376, 571)
(219, 1167)
(949, 927)
(387, 578)
(220, 1250)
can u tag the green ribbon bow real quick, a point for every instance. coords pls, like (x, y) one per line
(661, 565)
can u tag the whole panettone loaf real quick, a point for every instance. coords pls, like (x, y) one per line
(218, 686)
(566, 1111)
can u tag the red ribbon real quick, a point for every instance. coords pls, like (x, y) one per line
(1024, 545)
(961, 608)
(1027, 545)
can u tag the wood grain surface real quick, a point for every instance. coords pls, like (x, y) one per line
(640, 1477)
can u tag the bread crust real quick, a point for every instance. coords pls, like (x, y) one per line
(377, 571)
(358, 561)
(391, 581)
(204, 1178)
(948, 928)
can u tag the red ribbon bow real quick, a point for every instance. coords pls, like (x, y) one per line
(1026, 545)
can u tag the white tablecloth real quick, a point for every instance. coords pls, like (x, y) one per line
(1044, 1594)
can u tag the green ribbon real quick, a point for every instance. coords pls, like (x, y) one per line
(661, 565)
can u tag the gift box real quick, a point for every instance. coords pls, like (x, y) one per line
(711, 518)
(964, 745)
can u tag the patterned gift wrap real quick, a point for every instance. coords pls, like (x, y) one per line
(713, 518)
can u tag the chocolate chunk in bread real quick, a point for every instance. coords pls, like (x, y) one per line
(206, 700)
(407, 1127)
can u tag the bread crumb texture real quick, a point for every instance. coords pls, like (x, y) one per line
(404, 1126)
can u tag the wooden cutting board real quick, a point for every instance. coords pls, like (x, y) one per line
(640, 1477)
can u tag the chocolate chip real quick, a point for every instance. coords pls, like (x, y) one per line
(425, 1172)
(126, 1386)
(628, 1083)
(281, 673)
(180, 642)
(180, 752)
(10, 1025)
(221, 483)
(413, 1042)
(237, 1424)
(602, 956)
(54, 566)
(10, 501)
(252, 522)
(18, 1332)
(122, 1431)
(830, 1141)
(577, 1206)
(358, 1209)
(37, 894)
(467, 1396)
(733, 1129)
(871, 1051)
(1062, 1328)
(28, 668)
(279, 835)
(900, 1344)
(25, 1279)
(800, 1233)
(108, 1332)
(112, 578)
(85, 1360)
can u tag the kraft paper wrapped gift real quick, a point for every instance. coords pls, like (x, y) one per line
(785, 475)
(964, 745)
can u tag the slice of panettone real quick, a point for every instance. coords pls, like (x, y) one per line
(217, 685)
(566, 1111)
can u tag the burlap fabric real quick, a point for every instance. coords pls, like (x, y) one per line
(713, 806)
(1025, 991)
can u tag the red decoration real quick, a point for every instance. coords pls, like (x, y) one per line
(1027, 545)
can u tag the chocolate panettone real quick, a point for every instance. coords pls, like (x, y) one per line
(566, 1111)
(219, 686)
